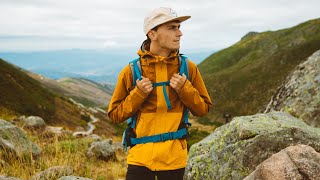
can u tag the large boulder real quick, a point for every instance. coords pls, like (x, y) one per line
(295, 162)
(13, 141)
(234, 150)
(33, 122)
(102, 150)
(299, 95)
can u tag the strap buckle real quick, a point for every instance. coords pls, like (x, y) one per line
(166, 136)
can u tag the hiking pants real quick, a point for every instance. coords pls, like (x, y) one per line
(142, 173)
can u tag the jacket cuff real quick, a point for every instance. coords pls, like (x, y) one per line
(185, 88)
(139, 93)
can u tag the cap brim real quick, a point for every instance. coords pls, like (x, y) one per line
(180, 19)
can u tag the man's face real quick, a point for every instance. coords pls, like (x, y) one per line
(168, 35)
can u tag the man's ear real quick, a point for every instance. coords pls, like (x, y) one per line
(152, 35)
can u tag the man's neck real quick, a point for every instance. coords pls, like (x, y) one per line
(156, 50)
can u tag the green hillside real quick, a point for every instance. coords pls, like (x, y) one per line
(22, 94)
(242, 78)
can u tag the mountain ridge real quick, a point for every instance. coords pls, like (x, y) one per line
(242, 78)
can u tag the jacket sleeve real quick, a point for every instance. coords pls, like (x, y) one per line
(194, 94)
(125, 101)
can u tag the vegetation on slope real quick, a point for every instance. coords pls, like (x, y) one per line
(241, 79)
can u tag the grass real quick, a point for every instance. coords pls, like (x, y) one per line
(207, 121)
(7, 113)
(69, 151)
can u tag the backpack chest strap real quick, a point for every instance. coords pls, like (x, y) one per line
(164, 89)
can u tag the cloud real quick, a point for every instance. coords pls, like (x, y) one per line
(96, 24)
(110, 44)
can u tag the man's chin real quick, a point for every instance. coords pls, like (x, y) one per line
(176, 48)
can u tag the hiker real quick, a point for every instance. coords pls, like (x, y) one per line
(227, 117)
(155, 92)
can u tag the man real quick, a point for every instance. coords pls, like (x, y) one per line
(159, 59)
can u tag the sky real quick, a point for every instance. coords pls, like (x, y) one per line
(41, 25)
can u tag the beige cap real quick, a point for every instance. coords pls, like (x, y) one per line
(160, 16)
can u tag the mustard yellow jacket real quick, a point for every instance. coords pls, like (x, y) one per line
(153, 116)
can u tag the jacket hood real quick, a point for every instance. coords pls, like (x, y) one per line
(144, 52)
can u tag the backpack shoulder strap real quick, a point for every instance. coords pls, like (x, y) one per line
(135, 70)
(183, 62)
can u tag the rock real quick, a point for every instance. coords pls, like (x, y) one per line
(59, 132)
(102, 150)
(94, 137)
(299, 95)
(118, 146)
(8, 178)
(33, 122)
(233, 150)
(14, 141)
(53, 173)
(294, 162)
(73, 178)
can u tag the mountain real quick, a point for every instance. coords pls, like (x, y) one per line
(22, 95)
(86, 91)
(82, 90)
(242, 78)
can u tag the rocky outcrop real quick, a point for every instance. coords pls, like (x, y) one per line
(299, 95)
(234, 150)
(102, 150)
(13, 141)
(53, 173)
(294, 162)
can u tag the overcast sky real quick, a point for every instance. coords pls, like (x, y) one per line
(33, 25)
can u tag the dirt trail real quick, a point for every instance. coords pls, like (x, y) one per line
(91, 127)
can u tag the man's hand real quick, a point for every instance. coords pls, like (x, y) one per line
(145, 85)
(177, 81)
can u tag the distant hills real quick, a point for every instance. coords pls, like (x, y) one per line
(101, 66)
(87, 92)
(242, 78)
(26, 93)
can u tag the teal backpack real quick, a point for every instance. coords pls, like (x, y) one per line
(129, 137)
